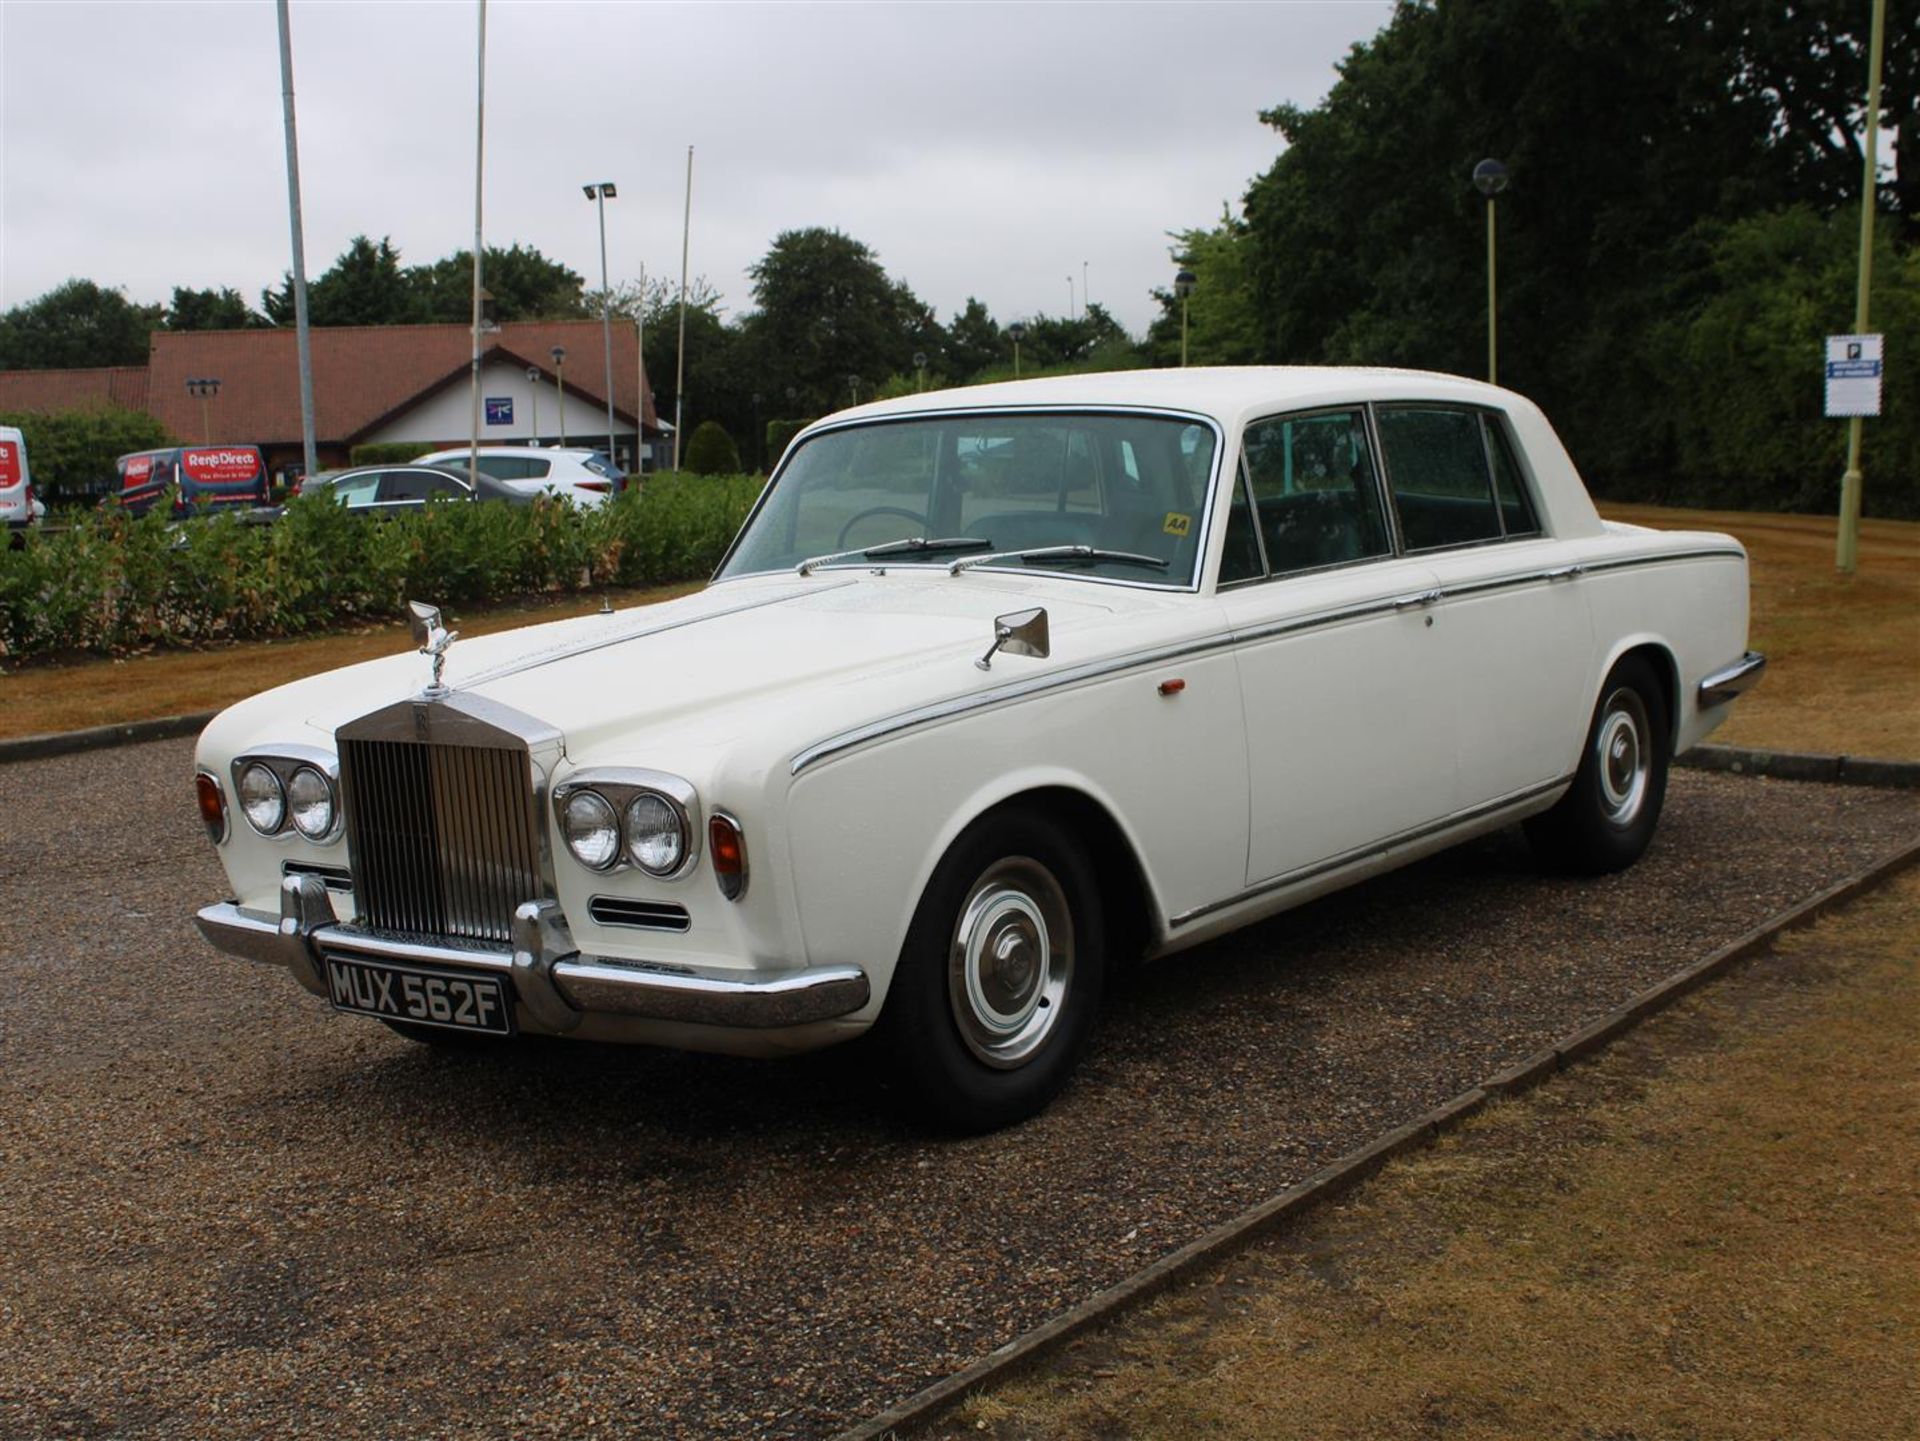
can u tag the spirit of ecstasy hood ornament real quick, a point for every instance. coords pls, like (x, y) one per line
(434, 639)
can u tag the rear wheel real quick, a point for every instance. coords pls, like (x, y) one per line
(1000, 977)
(1606, 819)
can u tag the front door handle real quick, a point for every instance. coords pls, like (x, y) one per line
(1413, 602)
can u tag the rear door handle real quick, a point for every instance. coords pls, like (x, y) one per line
(1413, 602)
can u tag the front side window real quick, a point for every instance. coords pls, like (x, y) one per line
(1315, 498)
(1129, 489)
(1437, 468)
(357, 490)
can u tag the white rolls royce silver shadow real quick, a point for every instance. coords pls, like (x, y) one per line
(996, 689)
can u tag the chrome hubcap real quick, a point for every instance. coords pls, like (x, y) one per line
(1623, 756)
(1011, 961)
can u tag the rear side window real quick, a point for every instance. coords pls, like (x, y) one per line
(1437, 468)
(1516, 511)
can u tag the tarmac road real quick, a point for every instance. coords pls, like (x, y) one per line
(225, 1209)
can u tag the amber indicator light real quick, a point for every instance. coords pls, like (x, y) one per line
(213, 805)
(729, 851)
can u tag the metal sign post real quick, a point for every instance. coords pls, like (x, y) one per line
(1846, 550)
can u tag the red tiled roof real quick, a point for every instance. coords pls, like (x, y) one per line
(363, 375)
(45, 392)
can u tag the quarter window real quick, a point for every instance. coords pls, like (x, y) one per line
(1516, 512)
(1437, 465)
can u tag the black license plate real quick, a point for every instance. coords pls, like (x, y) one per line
(456, 1000)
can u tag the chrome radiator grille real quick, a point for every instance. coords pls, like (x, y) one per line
(442, 837)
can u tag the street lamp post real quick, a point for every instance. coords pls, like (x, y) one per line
(601, 193)
(559, 354)
(1072, 314)
(1490, 178)
(1016, 332)
(853, 388)
(759, 431)
(1846, 549)
(920, 364)
(1183, 287)
(205, 387)
(533, 384)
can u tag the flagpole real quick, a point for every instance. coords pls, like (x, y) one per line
(479, 169)
(680, 377)
(303, 336)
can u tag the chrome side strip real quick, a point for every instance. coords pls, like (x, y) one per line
(1721, 686)
(1000, 695)
(1371, 851)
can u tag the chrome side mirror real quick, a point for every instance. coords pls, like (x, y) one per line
(1020, 632)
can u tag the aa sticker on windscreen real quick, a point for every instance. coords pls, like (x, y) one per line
(1177, 523)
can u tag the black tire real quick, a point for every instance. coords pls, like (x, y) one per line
(980, 1046)
(1606, 819)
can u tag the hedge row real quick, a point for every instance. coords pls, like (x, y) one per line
(109, 585)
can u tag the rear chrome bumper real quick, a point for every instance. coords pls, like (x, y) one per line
(1723, 685)
(556, 985)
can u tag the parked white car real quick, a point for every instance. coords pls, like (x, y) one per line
(19, 507)
(996, 689)
(585, 476)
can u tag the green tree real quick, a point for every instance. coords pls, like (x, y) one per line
(72, 451)
(222, 309)
(524, 284)
(365, 286)
(77, 324)
(711, 451)
(1223, 314)
(975, 342)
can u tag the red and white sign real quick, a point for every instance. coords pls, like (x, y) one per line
(224, 465)
(9, 465)
(139, 467)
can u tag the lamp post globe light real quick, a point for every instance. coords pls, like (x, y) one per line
(1183, 284)
(559, 354)
(205, 387)
(920, 364)
(600, 193)
(1490, 178)
(1017, 332)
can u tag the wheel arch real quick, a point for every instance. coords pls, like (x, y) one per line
(1666, 669)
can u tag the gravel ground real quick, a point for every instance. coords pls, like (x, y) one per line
(225, 1208)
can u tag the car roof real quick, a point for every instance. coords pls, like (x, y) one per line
(1230, 394)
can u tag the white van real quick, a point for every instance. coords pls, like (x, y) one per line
(19, 508)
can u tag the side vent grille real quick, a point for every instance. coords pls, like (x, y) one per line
(641, 915)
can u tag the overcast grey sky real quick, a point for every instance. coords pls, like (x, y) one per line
(980, 149)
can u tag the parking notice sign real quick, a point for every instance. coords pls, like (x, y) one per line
(1853, 374)
(499, 410)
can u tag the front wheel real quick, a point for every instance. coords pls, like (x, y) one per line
(1606, 819)
(1000, 977)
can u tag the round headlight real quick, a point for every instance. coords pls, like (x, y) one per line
(656, 834)
(263, 800)
(310, 799)
(591, 830)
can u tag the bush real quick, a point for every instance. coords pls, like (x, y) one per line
(711, 451)
(780, 434)
(110, 584)
(71, 452)
(389, 452)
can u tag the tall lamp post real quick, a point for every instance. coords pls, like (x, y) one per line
(559, 354)
(920, 364)
(1846, 550)
(1490, 178)
(1017, 332)
(205, 387)
(533, 384)
(601, 193)
(1183, 287)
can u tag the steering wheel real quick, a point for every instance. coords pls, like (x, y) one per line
(847, 529)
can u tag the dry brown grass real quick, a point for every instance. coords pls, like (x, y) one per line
(1711, 1231)
(1843, 652)
(46, 698)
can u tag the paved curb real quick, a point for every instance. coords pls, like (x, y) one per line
(1801, 766)
(1353, 1168)
(61, 743)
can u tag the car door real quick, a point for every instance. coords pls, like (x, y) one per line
(1339, 668)
(1513, 622)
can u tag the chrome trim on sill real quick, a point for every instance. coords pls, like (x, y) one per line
(556, 984)
(1720, 686)
(1371, 851)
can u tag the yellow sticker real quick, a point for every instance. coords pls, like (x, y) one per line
(1177, 523)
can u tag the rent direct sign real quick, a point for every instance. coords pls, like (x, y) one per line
(221, 466)
(499, 410)
(9, 465)
(1853, 374)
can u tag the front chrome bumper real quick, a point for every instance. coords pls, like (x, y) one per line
(1733, 680)
(554, 982)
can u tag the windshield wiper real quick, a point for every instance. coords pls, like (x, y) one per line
(906, 545)
(1061, 555)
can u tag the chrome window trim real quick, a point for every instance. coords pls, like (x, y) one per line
(283, 761)
(619, 786)
(1093, 670)
(1195, 582)
(1371, 850)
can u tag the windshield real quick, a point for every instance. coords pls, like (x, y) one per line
(1134, 485)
